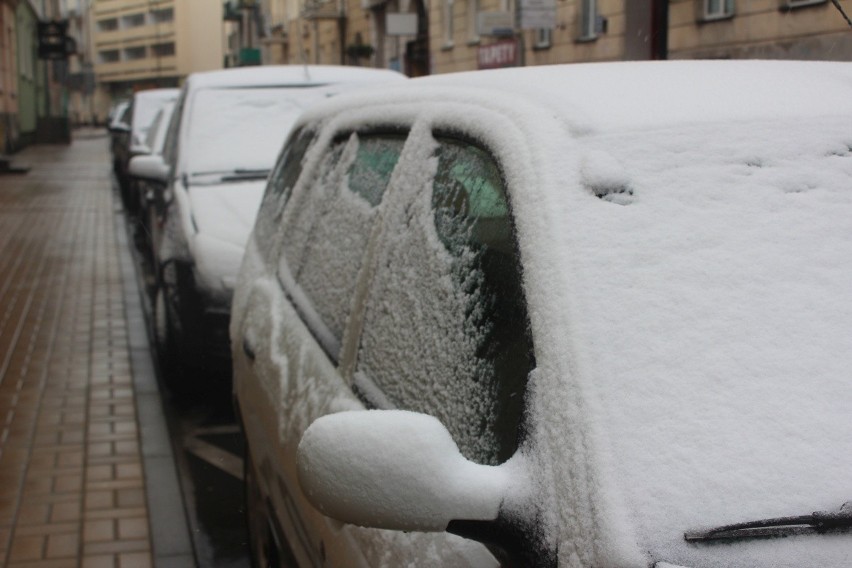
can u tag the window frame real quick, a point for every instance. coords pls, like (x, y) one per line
(726, 9)
(365, 388)
(790, 5)
(447, 24)
(543, 38)
(473, 24)
(335, 348)
(587, 20)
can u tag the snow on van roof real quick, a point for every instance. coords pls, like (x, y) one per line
(291, 75)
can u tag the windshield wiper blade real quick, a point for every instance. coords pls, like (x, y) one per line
(240, 175)
(817, 522)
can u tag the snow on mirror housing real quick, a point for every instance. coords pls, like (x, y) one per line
(149, 167)
(394, 469)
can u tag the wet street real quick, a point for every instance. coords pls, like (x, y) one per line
(208, 442)
(100, 463)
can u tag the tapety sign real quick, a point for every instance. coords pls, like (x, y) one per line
(503, 53)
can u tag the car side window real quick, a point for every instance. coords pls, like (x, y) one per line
(280, 187)
(327, 227)
(170, 145)
(445, 329)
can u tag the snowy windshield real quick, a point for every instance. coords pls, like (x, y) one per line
(241, 129)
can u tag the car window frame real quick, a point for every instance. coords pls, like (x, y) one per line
(366, 389)
(334, 348)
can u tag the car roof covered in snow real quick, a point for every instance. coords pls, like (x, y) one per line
(290, 75)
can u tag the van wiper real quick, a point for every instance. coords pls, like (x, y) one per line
(818, 522)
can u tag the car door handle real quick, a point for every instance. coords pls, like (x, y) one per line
(248, 349)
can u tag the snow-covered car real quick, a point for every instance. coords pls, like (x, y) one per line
(118, 126)
(225, 133)
(586, 315)
(151, 194)
(141, 112)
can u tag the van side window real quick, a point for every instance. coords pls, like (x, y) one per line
(327, 227)
(446, 330)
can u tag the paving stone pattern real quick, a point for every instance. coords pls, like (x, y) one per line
(72, 489)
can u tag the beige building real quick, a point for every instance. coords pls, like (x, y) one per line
(8, 77)
(758, 29)
(139, 44)
(437, 36)
(420, 37)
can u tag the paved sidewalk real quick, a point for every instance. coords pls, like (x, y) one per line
(87, 476)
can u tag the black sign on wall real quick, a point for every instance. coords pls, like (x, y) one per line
(53, 40)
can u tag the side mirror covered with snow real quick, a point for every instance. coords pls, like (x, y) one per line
(394, 469)
(150, 167)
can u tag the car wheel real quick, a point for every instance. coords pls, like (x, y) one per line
(163, 333)
(264, 553)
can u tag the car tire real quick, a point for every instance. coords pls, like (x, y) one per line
(163, 332)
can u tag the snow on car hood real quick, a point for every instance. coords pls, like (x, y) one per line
(223, 215)
(710, 309)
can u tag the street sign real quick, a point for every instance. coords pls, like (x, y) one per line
(537, 14)
(53, 40)
(400, 24)
(495, 23)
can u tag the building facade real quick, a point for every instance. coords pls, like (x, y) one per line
(758, 29)
(140, 44)
(437, 36)
(9, 131)
(32, 85)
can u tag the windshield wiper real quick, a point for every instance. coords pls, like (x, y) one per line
(212, 178)
(241, 175)
(817, 522)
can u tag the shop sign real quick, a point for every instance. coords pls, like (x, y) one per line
(53, 40)
(503, 53)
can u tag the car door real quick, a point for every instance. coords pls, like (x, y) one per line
(445, 329)
(302, 307)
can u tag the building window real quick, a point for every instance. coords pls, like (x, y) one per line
(543, 38)
(133, 21)
(588, 19)
(134, 53)
(718, 9)
(26, 50)
(473, 24)
(163, 49)
(793, 4)
(108, 25)
(162, 16)
(108, 56)
(448, 23)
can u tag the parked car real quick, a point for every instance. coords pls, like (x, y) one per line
(118, 125)
(140, 113)
(584, 315)
(151, 193)
(225, 133)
